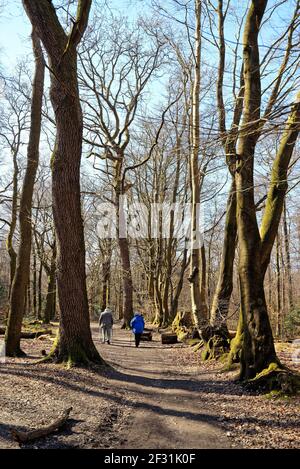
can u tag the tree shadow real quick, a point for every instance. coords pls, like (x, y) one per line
(211, 418)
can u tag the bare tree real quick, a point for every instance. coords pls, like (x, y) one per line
(74, 343)
(114, 76)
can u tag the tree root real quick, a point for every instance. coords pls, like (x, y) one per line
(72, 357)
(216, 343)
(16, 354)
(235, 352)
(275, 378)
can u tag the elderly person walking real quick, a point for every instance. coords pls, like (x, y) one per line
(137, 325)
(106, 323)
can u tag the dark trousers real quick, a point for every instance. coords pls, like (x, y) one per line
(137, 338)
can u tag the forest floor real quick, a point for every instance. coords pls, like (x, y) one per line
(156, 396)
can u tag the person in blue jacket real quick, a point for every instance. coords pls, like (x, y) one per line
(137, 325)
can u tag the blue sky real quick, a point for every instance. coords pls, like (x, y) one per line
(14, 34)
(15, 30)
(15, 27)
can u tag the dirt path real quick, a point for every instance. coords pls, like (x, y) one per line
(167, 411)
(155, 397)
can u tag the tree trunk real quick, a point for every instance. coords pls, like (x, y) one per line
(22, 274)
(40, 277)
(28, 309)
(203, 282)
(50, 307)
(288, 259)
(34, 283)
(175, 301)
(74, 344)
(278, 289)
(159, 312)
(276, 193)
(127, 282)
(220, 305)
(258, 346)
(199, 316)
(278, 185)
(106, 274)
(124, 251)
(14, 214)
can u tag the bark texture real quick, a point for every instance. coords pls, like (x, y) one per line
(258, 346)
(74, 343)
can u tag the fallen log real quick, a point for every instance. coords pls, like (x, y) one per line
(168, 338)
(25, 436)
(29, 334)
(34, 335)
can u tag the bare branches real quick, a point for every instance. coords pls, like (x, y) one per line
(155, 143)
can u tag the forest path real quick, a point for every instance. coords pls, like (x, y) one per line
(153, 397)
(166, 406)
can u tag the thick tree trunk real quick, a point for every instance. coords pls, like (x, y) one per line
(22, 274)
(275, 198)
(74, 343)
(258, 350)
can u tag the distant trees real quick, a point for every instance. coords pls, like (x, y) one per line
(14, 125)
(170, 108)
(116, 67)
